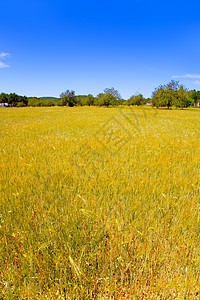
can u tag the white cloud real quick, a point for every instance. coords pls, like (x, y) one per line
(196, 82)
(4, 54)
(196, 76)
(2, 65)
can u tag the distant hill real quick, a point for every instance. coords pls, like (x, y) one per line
(49, 98)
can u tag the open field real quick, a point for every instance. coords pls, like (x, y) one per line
(99, 203)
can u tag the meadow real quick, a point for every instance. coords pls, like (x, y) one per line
(99, 203)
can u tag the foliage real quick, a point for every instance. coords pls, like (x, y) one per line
(136, 100)
(181, 99)
(33, 101)
(85, 100)
(193, 97)
(68, 99)
(173, 94)
(13, 99)
(166, 95)
(89, 100)
(109, 97)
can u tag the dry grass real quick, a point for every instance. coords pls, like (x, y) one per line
(99, 203)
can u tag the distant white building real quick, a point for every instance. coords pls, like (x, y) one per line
(5, 105)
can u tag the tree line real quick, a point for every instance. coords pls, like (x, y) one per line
(168, 95)
(173, 94)
(13, 99)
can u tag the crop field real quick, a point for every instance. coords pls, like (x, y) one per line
(99, 203)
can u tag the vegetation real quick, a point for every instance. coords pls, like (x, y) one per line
(99, 203)
(33, 101)
(68, 99)
(171, 94)
(86, 100)
(109, 97)
(136, 100)
(13, 99)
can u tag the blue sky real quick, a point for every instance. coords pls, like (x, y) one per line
(47, 47)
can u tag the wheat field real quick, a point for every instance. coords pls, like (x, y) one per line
(99, 203)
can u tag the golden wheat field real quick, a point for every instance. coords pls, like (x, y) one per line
(99, 203)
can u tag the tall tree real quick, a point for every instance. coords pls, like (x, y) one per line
(3, 98)
(89, 100)
(137, 100)
(182, 98)
(109, 97)
(68, 98)
(166, 95)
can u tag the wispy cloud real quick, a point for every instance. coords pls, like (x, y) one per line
(194, 76)
(2, 65)
(196, 82)
(4, 54)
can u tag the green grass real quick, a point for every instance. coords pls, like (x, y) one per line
(99, 203)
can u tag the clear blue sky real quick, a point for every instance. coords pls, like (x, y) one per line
(47, 47)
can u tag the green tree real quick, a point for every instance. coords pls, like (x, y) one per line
(85, 100)
(193, 97)
(137, 100)
(198, 96)
(89, 100)
(68, 98)
(80, 100)
(3, 98)
(182, 98)
(158, 96)
(14, 99)
(166, 95)
(109, 97)
(33, 101)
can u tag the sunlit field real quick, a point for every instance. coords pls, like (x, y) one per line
(99, 203)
